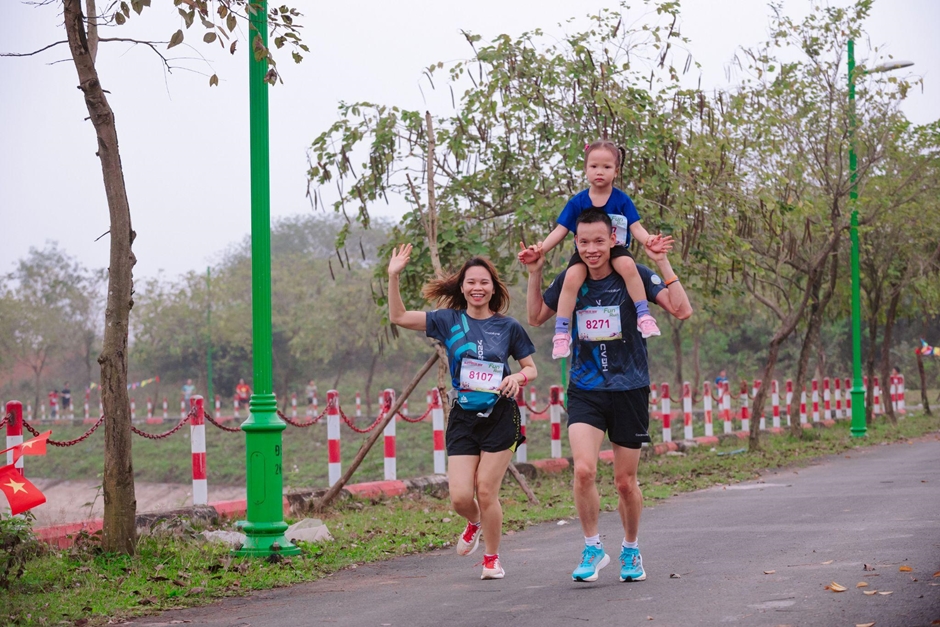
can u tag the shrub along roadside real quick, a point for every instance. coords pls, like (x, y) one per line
(174, 569)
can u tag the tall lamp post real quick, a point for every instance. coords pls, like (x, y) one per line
(858, 429)
(265, 527)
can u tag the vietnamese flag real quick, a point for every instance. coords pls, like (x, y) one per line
(21, 494)
(36, 446)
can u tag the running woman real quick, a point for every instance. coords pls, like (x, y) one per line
(484, 427)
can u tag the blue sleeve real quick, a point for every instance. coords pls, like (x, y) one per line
(438, 324)
(569, 215)
(652, 282)
(626, 208)
(522, 345)
(553, 293)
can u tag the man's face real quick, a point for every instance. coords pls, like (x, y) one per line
(594, 241)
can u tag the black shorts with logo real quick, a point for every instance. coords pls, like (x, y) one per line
(624, 416)
(616, 251)
(469, 434)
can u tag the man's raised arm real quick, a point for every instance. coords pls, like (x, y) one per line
(537, 312)
(674, 298)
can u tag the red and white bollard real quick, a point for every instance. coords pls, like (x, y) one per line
(893, 392)
(521, 450)
(316, 405)
(29, 411)
(151, 419)
(166, 407)
(42, 412)
(437, 424)
(815, 400)
(775, 403)
(827, 400)
(666, 414)
(87, 405)
(391, 470)
(332, 436)
(707, 399)
(687, 410)
(54, 406)
(532, 397)
(182, 407)
(848, 398)
(358, 405)
(726, 406)
(133, 410)
(901, 408)
(14, 431)
(293, 405)
(803, 406)
(789, 400)
(877, 394)
(404, 408)
(653, 395)
(837, 384)
(197, 438)
(554, 414)
(218, 407)
(745, 410)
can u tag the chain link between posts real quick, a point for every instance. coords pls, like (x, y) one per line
(209, 417)
(160, 436)
(382, 411)
(418, 419)
(80, 438)
(537, 411)
(5, 418)
(301, 425)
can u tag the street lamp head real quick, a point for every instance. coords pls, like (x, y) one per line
(887, 67)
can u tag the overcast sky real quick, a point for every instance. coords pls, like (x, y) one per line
(184, 145)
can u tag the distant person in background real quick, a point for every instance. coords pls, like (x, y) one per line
(242, 393)
(66, 400)
(311, 391)
(53, 404)
(721, 378)
(188, 389)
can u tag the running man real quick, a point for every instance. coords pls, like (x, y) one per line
(609, 382)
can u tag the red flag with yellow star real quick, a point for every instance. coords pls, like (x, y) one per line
(36, 446)
(21, 494)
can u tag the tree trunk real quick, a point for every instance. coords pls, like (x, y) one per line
(886, 353)
(923, 384)
(119, 533)
(753, 441)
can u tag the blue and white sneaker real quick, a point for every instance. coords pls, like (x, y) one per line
(593, 559)
(631, 565)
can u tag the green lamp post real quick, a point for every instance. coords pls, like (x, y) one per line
(858, 428)
(265, 527)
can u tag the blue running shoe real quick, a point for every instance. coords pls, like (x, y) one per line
(593, 559)
(631, 565)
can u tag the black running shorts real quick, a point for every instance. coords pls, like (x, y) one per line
(624, 416)
(469, 433)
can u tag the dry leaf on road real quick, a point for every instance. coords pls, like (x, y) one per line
(937, 574)
(861, 584)
(769, 572)
(869, 593)
(886, 593)
(864, 624)
(827, 563)
(675, 576)
(835, 587)
(868, 567)
(905, 569)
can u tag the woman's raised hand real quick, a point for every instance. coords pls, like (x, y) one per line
(399, 259)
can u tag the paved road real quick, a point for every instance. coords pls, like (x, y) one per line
(877, 506)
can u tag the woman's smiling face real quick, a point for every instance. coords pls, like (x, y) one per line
(477, 286)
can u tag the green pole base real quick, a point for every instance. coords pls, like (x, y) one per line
(859, 429)
(261, 538)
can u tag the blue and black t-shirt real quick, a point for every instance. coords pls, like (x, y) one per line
(611, 364)
(495, 339)
(619, 207)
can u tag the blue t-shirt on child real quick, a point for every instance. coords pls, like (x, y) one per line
(619, 207)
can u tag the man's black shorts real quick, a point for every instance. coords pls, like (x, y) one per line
(469, 434)
(624, 416)
(616, 251)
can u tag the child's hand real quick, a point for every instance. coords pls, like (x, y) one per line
(659, 244)
(529, 255)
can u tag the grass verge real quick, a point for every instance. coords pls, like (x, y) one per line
(175, 569)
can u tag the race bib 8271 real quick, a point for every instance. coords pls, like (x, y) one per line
(598, 324)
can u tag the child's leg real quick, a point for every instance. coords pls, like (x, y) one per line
(574, 279)
(626, 268)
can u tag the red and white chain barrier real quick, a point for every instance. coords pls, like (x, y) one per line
(726, 406)
(197, 439)
(391, 468)
(848, 397)
(14, 424)
(666, 413)
(358, 405)
(707, 401)
(876, 404)
(789, 400)
(837, 392)
(332, 436)
(815, 400)
(555, 408)
(827, 400)
(745, 410)
(775, 403)
(803, 417)
(901, 408)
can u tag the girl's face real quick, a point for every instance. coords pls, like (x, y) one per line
(600, 168)
(477, 286)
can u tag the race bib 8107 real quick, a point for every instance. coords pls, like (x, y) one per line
(482, 376)
(599, 324)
